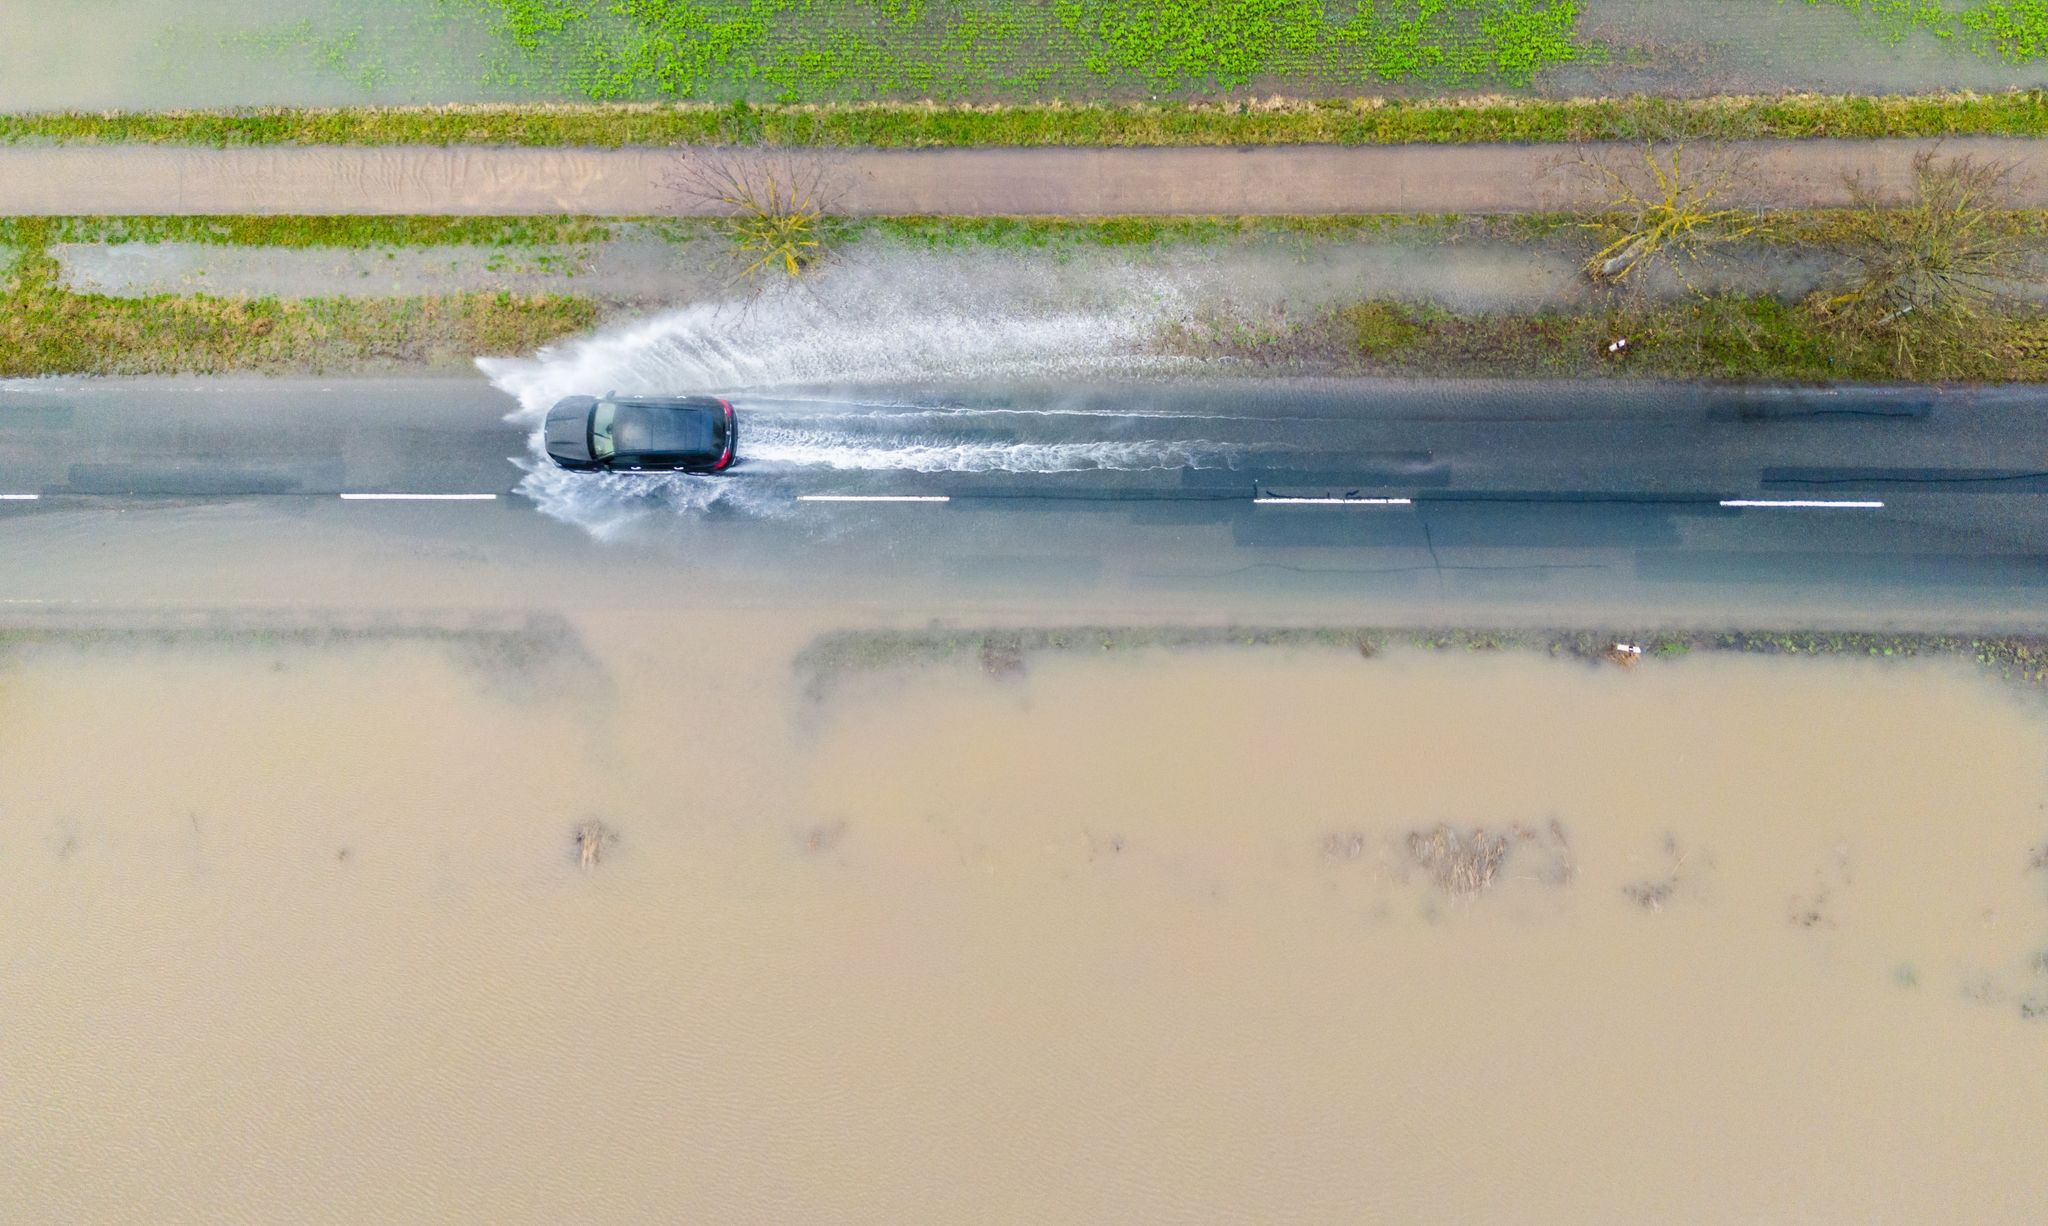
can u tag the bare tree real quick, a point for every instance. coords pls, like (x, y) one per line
(1663, 205)
(775, 204)
(1931, 269)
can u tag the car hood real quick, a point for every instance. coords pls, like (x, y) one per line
(568, 429)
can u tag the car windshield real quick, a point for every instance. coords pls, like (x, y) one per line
(601, 419)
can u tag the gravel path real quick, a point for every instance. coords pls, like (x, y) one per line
(123, 179)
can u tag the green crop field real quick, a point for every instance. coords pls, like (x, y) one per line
(814, 50)
(792, 50)
(2013, 30)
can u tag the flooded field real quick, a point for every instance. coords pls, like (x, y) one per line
(594, 925)
(144, 54)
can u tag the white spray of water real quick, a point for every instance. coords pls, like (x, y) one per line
(900, 319)
(785, 447)
(903, 317)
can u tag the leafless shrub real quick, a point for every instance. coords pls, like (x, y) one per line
(1925, 273)
(1949, 249)
(773, 203)
(1662, 206)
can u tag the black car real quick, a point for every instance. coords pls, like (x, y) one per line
(612, 433)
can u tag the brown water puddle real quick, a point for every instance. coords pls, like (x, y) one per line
(302, 934)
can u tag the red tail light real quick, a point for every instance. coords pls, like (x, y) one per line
(730, 435)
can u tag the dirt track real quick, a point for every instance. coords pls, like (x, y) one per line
(988, 182)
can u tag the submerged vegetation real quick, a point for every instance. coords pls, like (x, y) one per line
(2022, 659)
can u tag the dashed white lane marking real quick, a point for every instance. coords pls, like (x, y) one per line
(1801, 504)
(419, 497)
(874, 498)
(19, 497)
(1334, 502)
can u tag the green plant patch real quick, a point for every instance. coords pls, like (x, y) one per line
(2015, 31)
(1382, 329)
(814, 50)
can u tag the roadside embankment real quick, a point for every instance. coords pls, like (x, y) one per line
(1343, 295)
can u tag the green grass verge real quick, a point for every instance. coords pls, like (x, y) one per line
(882, 125)
(46, 329)
(1812, 227)
(298, 231)
(1721, 337)
(945, 233)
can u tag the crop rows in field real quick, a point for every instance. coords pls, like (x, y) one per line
(1013, 50)
(801, 50)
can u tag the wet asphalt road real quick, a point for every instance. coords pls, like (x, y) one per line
(1217, 499)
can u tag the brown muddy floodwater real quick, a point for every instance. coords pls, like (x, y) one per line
(305, 934)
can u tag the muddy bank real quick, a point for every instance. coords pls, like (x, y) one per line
(2021, 659)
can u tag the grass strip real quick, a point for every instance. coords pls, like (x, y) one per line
(303, 231)
(46, 329)
(1813, 227)
(1372, 121)
(1728, 336)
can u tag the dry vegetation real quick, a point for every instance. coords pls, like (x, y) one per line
(772, 203)
(1663, 206)
(1932, 273)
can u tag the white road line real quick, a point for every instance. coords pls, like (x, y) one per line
(19, 497)
(874, 498)
(1801, 504)
(418, 497)
(1334, 502)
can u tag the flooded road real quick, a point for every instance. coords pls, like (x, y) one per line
(299, 928)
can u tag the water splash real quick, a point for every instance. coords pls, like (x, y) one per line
(786, 447)
(910, 317)
(903, 319)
